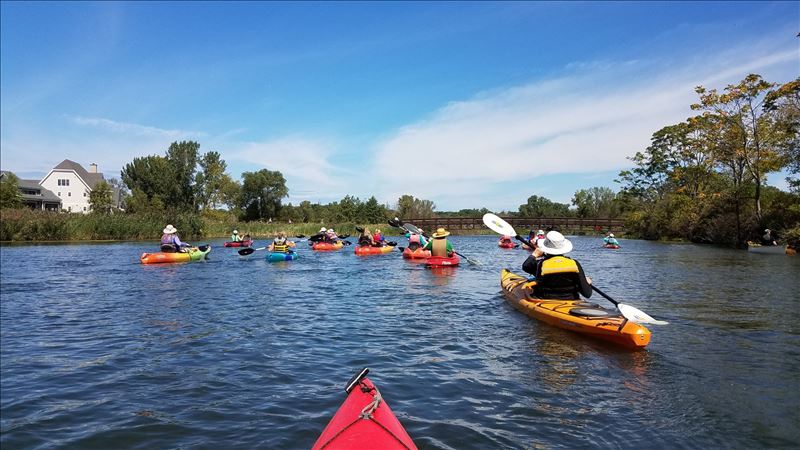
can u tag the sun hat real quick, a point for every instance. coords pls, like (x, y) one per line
(610, 234)
(766, 230)
(322, 230)
(555, 243)
(440, 233)
(331, 230)
(235, 232)
(170, 229)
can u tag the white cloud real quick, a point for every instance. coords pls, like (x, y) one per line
(132, 128)
(577, 124)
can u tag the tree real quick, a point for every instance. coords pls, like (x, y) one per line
(543, 207)
(741, 107)
(182, 157)
(101, 198)
(9, 191)
(210, 180)
(372, 211)
(410, 207)
(596, 202)
(262, 192)
(150, 177)
(122, 193)
(784, 102)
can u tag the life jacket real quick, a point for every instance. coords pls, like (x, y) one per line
(364, 241)
(557, 278)
(439, 247)
(168, 243)
(377, 237)
(280, 248)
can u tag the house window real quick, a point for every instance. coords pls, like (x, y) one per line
(69, 209)
(84, 194)
(69, 194)
(59, 194)
(67, 182)
(84, 208)
(59, 181)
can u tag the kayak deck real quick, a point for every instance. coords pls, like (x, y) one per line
(574, 315)
(364, 421)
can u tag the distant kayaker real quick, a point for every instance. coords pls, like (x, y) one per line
(235, 236)
(365, 239)
(506, 240)
(415, 240)
(557, 276)
(769, 238)
(171, 243)
(610, 240)
(438, 245)
(330, 236)
(534, 237)
(280, 244)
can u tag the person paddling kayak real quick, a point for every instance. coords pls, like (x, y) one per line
(235, 236)
(610, 240)
(280, 244)
(557, 276)
(171, 243)
(366, 239)
(438, 245)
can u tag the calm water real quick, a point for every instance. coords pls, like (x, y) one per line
(99, 351)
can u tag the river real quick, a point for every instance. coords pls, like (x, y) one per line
(99, 351)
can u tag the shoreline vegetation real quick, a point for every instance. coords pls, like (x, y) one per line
(703, 180)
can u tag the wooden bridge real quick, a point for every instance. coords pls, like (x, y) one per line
(570, 225)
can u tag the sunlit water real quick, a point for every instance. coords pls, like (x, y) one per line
(99, 351)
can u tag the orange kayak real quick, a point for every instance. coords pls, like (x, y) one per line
(369, 250)
(194, 254)
(327, 246)
(575, 315)
(419, 253)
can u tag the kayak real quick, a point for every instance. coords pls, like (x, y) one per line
(419, 253)
(194, 254)
(766, 249)
(575, 315)
(369, 250)
(327, 246)
(441, 261)
(237, 244)
(612, 246)
(506, 244)
(280, 256)
(364, 421)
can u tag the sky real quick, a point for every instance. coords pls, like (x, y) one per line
(470, 105)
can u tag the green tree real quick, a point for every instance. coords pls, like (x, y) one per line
(595, 202)
(784, 102)
(262, 192)
(414, 208)
(150, 177)
(373, 212)
(543, 207)
(101, 199)
(210, 180)
(9, 191)
(182, 157)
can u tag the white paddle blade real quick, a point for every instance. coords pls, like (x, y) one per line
(637, 315)
(498, 225)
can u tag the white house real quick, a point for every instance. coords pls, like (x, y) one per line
(72, 184)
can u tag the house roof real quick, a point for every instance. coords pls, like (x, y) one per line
(89, 178)
(47, 195)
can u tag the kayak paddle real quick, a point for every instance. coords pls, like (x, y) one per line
(250, 250)
(635, 315)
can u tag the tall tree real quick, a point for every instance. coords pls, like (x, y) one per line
(416, 208)
(101, 198)
(150, 178)
(595, 202)
(741, 107)
(9, 191)
(262, 192)
(210, 180)
(182, 156)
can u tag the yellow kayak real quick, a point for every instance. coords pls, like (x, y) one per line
(574, 315)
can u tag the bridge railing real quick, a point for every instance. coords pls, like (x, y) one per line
(564, 224)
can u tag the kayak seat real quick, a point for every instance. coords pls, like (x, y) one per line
(168, 248)
(593, 312)
(587, 305)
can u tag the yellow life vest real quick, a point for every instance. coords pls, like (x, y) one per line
(559, 264)
(439, 247)
(280, 248)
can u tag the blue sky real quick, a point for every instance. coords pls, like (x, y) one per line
(466, 104)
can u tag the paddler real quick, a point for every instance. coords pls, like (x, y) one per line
(280, 244)
(438, 245)
(610, 240)
(557, 276)
(235, 236)
(171, 243)
(378, 238)
(365, 239)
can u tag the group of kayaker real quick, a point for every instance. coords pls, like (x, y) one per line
(368, 239)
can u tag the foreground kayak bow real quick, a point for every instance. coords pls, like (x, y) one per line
(364, 421)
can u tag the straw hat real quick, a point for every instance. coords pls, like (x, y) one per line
(555, 243)
(170, 229)
(440, 233)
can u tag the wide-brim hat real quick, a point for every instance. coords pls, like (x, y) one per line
(554, 243)
(170, 229)
(610, 234)
(323, 229)
(440, 233)
(235, 232)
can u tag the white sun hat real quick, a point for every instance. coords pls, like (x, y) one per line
(323, 229)
(555, 243)
(170, 229)
(235, 232)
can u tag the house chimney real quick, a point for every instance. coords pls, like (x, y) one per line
(92, 168)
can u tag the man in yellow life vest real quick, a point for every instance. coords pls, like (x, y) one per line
(439, 246)
(280, 244)
(557, 276)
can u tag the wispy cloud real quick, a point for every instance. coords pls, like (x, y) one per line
(581, 123)
(131, 128)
